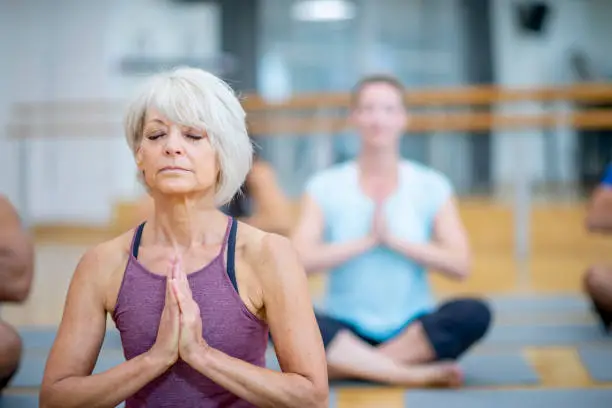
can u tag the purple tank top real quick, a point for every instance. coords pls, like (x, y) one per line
(227, 326)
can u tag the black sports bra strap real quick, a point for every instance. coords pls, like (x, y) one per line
(136, 240)
(231, 253)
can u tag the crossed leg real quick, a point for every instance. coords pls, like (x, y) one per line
(421, 355)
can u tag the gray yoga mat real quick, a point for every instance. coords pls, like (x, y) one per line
(547, 309)
(479, 370)
(43, 337)
(598, 362)
(543, 335)
(573, 398)
(19, 401)
(25, 401)
(539, 304)
(32, 367)
(497, 369)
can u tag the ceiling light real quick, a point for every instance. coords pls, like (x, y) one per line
(323, 10)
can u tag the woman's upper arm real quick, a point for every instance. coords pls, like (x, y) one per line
(289, 311)
(83, 326)
(449, 230)
(310, 225)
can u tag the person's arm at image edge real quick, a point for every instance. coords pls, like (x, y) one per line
(68, 381)
(16, 256)
(599, 213)
(297, 340)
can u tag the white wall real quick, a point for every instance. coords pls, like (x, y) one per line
(8, 148)
(70, 50)
(522, 61)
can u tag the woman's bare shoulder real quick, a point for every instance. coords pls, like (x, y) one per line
(101, 261)
(267, 253)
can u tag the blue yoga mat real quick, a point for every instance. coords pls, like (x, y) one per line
(556, 309)
(32, 367)
(539, 304)
(598, 362)
(19, 401)
(543, 335)
(43, 338)
(574, 398)
(25, 401)
(497, 370)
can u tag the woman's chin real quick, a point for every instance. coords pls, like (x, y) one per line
(176, 187)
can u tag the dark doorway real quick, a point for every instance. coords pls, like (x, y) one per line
(239, 34)
(479, 71)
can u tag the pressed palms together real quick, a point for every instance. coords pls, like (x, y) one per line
(380, 230)
(180, 328)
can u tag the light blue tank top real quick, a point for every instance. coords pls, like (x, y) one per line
(380, 291)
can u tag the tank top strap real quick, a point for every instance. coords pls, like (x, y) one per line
(136, 240)
(228, 228)
(231, 253)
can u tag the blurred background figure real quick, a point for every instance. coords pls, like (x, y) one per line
(16, 273)
(378, 223)
(598, 279)
(263, 202)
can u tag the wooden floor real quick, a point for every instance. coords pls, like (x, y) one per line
(560, 252)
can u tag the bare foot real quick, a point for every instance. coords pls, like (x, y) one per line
(440, 375)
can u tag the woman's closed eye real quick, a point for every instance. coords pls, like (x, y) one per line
(159, 135)
(155, 136)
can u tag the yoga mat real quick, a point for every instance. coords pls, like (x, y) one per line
(539, 304)
(25, 401)
(19, 401)
(32, 367)
(497, 370)
(558, 309)
(598, 362)
(543, 335)
(573, 398)
(43, 338)
(479, 370)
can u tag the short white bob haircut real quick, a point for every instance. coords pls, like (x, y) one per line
(195, 98)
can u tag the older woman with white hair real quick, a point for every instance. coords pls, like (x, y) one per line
(192, 335)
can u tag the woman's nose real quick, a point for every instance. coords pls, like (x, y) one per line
(173, 146)
(173, 151)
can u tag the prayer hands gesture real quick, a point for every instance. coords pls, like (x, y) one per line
(180, 327)
(380, 230)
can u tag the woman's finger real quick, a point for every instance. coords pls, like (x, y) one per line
(178, 295)
(175, 267)
(169, 290)
(173, 299)
(183, 279)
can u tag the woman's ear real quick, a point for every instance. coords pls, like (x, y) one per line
(138, 158)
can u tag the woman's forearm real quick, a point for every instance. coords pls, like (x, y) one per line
(259, 386)
(107, 389)
(454, 264)
(326, 256)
